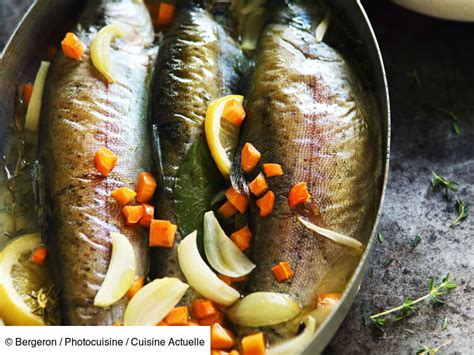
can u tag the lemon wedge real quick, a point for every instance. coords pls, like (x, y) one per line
(222, 136)
(100, 50)
(21, 282)
(120, 273)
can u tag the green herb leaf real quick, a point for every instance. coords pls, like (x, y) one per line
(388, 261)
(462, 210)
(456, 128)
(438, 181)
(380, 237)
(444, 326)
(416, 241)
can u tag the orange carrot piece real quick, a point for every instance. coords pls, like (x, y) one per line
(234, 352)
(253, 344)
(162, 233)
(227, 210)
(72, 46)
(148, 213)
(203, 308)
(51, 53)
(217, 317)
(123, 195)
(146, 186)
(218, 352)
(266, 203)
(117, 324)
(39, 255)
(136, 286)
(298, 194)
(325, 299)
(221, 338)
(105, 161)
(132, 214)
(234, 112)
(237, 200)
(272, 169)
(193, 323)
(250, 157)
(178, 316)
(242, 238)
(165, 14)
(162, 324)
(282, 271)
(259, 185)
(27, 91)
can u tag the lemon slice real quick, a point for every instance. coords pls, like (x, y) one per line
(222, 136)
(21, 281)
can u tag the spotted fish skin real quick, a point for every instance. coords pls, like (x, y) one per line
(82, 113)
(307, 111)
(198, 63)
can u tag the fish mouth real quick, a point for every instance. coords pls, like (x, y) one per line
(354, 21)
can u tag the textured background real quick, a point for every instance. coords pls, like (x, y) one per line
(430, 68)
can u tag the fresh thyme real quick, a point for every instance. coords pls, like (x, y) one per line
(415, 241)
(454, 121)
(407, 308)
(444, 326)
(429, 350)
(388, 261)
(462, 210)
(380, 237)
(438, 181)
(46, 304)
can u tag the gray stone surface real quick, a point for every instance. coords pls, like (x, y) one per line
(441, 54)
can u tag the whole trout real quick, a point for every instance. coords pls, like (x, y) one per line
(198, 63)
(82, 113)
(307, 111)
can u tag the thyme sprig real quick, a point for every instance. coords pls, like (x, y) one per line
(408, 306)
(429, 350)
(462, 210)
(46, 304)
(437, 181)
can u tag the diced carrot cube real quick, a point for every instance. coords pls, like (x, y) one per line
(193, 322)
(234, 352)
(136, 286)
(242, 238)
(146, 186)
(282, 271)
(165, 14)
(298, 194)
(266, 203)
(221, 338)
(234, 112)
(148, 213)
(328, 298)
(162, 324)
(253, 344)
(218, 352)
(132, 214)
(217, 317)
(178, 316)
(237, 200)
(227, 210)
(250, 157)
(123, 195)
(117, 324)
(162, 233)
(203, 308)
(105, 161)
(259, 185)
(272, 169)
(27, 92)
(39, 255)
(72, 46)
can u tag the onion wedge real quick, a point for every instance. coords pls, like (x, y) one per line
(221, 252)
(322, 28)
(260, 309)
(34, 107)
(334, 236)
(100, 50)
(298, 343)
(200, 276)
(154, 301)
(120, 273)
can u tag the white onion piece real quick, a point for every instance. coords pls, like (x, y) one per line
(1, 322)
(154, 301)
(334, 236)
(200, 276)
(260, 309)
(120, 273)
(100, 50)
(322, 28)
(298, 344)
(34, 107)
(221, 252)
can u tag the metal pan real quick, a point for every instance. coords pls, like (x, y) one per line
(47, 20)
